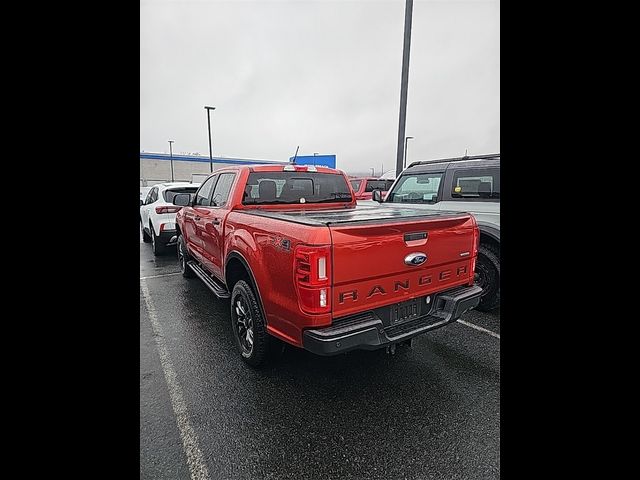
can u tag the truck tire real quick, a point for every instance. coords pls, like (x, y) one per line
(145, 236)
(248, 325)
(158, 249)
(183, 258)
(488, 277)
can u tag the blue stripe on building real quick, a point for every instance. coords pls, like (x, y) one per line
(325, 160)
(198, 158)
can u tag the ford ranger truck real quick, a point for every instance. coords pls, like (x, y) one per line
(301, 262)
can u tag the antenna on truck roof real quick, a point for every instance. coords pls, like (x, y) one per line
(295, 156)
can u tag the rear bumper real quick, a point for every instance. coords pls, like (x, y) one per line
(367, 331)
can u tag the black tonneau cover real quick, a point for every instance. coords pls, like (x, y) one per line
(355, 216)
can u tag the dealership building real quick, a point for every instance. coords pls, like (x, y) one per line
(156, 167)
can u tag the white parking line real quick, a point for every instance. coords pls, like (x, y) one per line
(161, 275)
(493, 334)
(195, 460)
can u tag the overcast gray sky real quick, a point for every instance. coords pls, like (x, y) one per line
(321, 74)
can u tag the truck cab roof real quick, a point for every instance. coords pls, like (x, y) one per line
(178, 184)
(491, 160)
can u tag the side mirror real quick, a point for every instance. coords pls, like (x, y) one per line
(376, 195)
(182, 200)
(141, 202)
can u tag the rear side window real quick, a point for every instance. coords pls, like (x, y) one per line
(476, 184)
(147, 200)
(170, 194)
(202, 198)
(223, 187)
(355, 184)
(376, 185)
(295, 187)
(416, 188)
(153, 195)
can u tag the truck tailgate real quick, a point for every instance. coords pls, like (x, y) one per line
(372, 259)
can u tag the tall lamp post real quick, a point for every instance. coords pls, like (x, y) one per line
(405, 152)
(404, 82)
(171, 154)
(208, 109)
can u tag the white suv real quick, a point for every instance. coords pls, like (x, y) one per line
(158, 214)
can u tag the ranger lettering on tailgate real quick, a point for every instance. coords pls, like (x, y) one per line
(405, 284)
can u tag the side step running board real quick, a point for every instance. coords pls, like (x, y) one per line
(215, 286)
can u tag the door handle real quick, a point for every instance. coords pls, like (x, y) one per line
(216, 221)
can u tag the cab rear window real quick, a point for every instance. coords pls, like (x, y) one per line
(264, 188)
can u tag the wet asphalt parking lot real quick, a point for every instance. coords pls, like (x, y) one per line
(429, 412)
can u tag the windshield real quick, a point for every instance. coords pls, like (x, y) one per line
(169, 194)
(416, 188)
(265, 188)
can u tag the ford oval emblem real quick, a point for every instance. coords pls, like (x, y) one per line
(417, 258)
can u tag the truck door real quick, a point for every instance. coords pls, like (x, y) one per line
(193, 216)
(212, 224)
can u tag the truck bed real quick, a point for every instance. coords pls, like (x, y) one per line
(359, 215)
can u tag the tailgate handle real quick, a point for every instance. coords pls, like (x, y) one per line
(415, 236)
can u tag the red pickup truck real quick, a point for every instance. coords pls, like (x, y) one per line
(363, 187)
(300, 262)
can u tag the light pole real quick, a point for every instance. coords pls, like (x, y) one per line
(171, 153)
(405, 152)
(372, 171)
(404, 82)
(208, 109)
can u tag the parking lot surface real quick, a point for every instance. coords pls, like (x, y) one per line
(428, 412)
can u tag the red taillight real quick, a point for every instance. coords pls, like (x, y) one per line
(160, 210)
(312, 276)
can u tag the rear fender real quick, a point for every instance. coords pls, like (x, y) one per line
(240, 244)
